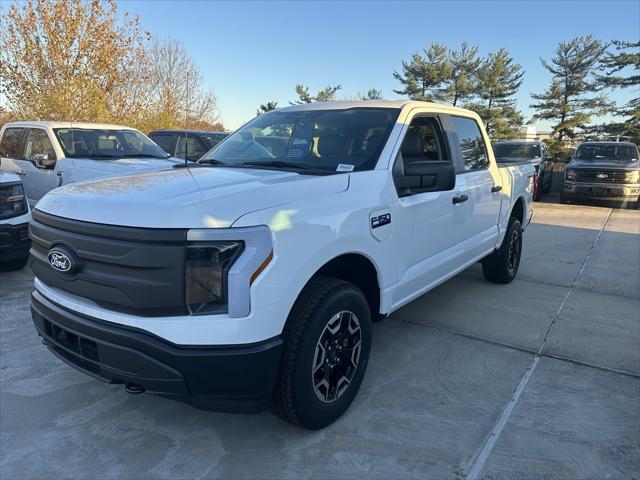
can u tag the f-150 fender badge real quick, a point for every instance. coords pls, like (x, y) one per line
(380, 223)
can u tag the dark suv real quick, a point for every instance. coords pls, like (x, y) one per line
(603, 171)
(189, 144)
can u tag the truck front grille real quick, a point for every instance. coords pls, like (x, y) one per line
(600, 176)
(129, 270)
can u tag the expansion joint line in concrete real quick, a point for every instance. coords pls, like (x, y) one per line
(475, 466)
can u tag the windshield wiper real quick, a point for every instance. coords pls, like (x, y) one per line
(276, 163)
(210, 161)
(141, 155)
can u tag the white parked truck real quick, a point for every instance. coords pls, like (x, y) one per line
(14, 223)
(50, 154)
(252, 278)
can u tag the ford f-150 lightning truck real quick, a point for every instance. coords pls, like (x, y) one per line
(252, 278)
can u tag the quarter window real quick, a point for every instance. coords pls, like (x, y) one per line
(38, 143)
(11, 142)
(471, 142)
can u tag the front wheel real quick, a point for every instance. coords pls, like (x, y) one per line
(327, 340)
(12, 265)
(502, 265)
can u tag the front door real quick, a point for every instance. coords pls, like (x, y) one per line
(40, 177)
(430, 220)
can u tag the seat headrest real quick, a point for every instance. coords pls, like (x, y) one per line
(330, 145)
(413, 145)
(374, 142)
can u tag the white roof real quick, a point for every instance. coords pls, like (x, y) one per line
(52, 124)
(370, 103)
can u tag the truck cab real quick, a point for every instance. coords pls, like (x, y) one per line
(252, 278)
(51, 154)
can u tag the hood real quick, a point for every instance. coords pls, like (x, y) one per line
(123, 166)
(620, 165)
(8, 177)
(205, 197)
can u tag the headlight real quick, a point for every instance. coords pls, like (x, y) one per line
(12, 201)
(206, 275)
(570, 174)
(633, 177)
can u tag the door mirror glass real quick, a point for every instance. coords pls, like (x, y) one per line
(43, 161)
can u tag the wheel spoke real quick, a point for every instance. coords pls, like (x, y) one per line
(336, 356)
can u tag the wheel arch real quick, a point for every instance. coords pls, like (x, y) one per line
(356, 268)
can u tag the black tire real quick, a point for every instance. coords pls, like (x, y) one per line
(295, 397)
(547, 187)
(502, 265)
(12, 265)
(563, 199)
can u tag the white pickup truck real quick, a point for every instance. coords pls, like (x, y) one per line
(50, 154)
(252, 278)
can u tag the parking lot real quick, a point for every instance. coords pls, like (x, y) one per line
(535, 379)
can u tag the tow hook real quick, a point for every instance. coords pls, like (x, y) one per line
(134, 388)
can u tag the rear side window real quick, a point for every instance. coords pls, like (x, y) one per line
(165, 142)
(38, 143)
(190, 147)
(471, 142)
(11, 142)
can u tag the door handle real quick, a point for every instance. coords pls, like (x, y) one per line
(460, 199)
(495, 189)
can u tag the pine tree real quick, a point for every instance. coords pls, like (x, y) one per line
(463, 65)
(327, 94)
(498, 80)
(424, 77)
(573, 97)
(626, 55)
(266, 107)
(372, 94)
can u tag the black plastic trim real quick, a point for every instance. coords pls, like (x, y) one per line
(221, 378)
(114, 232)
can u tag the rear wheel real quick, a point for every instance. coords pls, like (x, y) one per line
(502, 265)
(547, 187)
(327, 340)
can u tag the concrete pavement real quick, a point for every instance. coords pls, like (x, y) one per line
(536, 379)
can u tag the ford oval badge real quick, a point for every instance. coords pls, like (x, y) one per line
(61, 260)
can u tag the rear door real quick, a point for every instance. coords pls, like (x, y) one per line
(480, 183)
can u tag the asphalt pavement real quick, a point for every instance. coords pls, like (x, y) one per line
(536, 379)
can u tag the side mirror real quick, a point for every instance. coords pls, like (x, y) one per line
(43, 161)
(426, 176)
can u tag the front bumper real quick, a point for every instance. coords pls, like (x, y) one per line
(601, 191)
(14, 241)
(221, 378)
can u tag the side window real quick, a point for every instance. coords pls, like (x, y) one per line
(423, 141)
(38, 143)
(471, 142)
(190, 147)
(165, 142)
(11, 142)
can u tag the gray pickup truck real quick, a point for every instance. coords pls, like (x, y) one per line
(603, 171)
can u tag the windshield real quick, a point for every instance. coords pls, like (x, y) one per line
(612, 153)
(106, 144)
(320, 141)
(516, 150)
